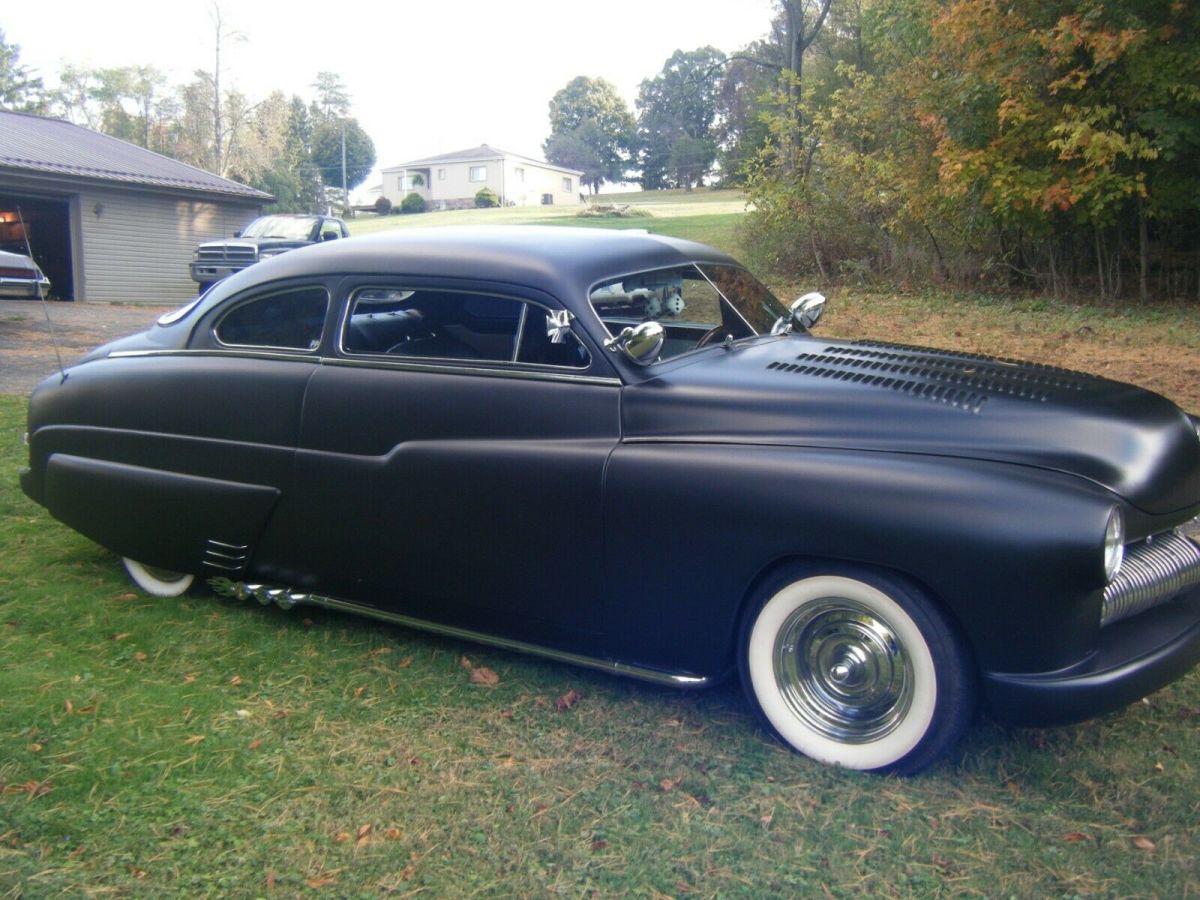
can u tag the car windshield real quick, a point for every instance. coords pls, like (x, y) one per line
(291, 228)
(696, 303)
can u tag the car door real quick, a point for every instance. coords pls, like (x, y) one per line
(451, 461)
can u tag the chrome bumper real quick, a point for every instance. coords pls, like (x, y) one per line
(1153, 572)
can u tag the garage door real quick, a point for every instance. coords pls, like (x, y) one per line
(47, 225)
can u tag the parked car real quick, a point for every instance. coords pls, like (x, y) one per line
(21, 278)
(263, 238)
(622, 451)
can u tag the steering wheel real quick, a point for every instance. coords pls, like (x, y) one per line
(709, 336)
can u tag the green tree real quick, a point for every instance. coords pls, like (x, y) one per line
(592, 113)
(327, 153)
(19, 89)
(677, 109)
(332, 100)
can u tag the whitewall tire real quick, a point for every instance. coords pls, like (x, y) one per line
(856, 668)
(157, 582)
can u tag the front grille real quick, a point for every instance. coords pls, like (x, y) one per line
(1154, 571)
(225, 254)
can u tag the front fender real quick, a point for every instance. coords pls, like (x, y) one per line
(1013, 553)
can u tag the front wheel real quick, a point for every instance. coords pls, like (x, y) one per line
(857, 669)
(157, 582)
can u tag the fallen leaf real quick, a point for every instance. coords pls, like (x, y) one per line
(381, 651)
(1158, 767)
(358, 692)
(121, 636)
(140, 656)
(256, 743)
(767, 819)
(243, 713)
(189, 677)
(194, 739)
(599, 845)
(270, 881)
(466, 663)
(392, 834)
(68, 706)
(136, 872)
(485, 676)
(569, 699)
(364, 832)
(1143, 843)
(319, 881)
(506, 713)
(404, 663)
(668, 784)
(407, 872)
(341, 837)
(35, 748)
(235, 680)
(1072, 837)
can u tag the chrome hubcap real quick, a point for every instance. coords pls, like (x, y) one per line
(842, 670)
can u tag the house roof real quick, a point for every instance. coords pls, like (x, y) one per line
(56, 147)
(476, 154)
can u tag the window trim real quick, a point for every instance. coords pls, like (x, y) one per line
(486, 365)
(303, 351)
(471, 170)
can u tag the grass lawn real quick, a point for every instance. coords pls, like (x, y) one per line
(198, 747)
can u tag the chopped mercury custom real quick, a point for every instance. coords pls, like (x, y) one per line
(621, 451)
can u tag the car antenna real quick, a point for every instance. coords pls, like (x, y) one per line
(41, 296)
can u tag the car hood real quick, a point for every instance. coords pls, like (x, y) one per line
(860, 395)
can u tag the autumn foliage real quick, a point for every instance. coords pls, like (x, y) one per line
(1047, 144)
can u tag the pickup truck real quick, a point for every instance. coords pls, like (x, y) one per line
(263, 238)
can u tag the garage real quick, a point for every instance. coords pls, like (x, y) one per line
(106, 220)
(43, 224)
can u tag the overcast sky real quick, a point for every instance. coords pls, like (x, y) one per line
(424, 77)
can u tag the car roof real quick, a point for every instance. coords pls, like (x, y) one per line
(562, 261)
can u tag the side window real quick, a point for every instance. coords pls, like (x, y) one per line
(432, 324)
(290, 320)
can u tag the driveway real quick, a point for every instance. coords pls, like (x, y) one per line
(27, 352)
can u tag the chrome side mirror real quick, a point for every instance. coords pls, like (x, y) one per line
(641, 344)
(803, 314)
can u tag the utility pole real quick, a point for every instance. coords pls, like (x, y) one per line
(345, 193)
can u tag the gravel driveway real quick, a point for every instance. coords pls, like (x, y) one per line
(26, 351)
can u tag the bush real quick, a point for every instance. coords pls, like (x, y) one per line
(486, 197)
(413, 203)
(383, 206)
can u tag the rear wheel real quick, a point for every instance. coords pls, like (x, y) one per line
(157, 582)
(856, 668)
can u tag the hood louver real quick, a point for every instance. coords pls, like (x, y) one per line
(959, 380)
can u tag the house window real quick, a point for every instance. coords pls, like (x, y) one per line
(400, 183)
(479, 173)
(441, 174)
(520, 174)
(567, 185)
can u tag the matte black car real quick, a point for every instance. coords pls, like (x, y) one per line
(620, 450)
(263, 238)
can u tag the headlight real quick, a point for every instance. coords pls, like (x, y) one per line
(1114, 544)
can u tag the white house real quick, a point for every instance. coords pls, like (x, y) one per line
(451, 180)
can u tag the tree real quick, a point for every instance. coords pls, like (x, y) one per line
(19, 89)
(327, 153)
(332, 100)
(676, 112)
(593, 115)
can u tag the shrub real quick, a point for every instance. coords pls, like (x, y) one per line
(383, 206)
(486, 197)
(413, 203)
